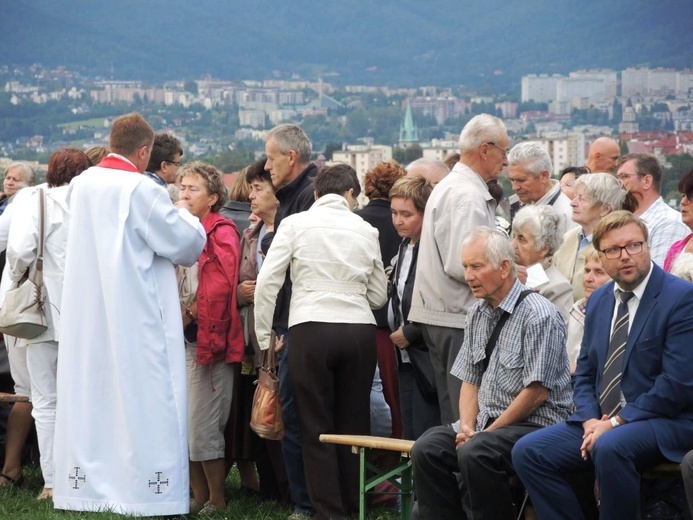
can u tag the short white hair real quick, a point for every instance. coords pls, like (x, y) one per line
(532, 157)
(437, 167)
(498, 246)
(481, 129)
(602, 189)
(543, 223)
(27, 170)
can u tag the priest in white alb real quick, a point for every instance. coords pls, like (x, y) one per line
(120, 430)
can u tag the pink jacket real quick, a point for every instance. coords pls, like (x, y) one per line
(219, 331)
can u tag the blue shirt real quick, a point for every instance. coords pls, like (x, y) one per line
(156, 178)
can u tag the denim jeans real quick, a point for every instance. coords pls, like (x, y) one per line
(291, 444)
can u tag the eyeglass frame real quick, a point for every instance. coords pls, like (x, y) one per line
(613, 249)
(176, 163)
(622, 176)
(505, 152)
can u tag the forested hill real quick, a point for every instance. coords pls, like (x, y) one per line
(405, 42)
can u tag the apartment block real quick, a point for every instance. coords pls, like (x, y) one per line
(565, 149)
(541, 88)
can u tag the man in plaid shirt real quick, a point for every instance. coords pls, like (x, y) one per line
(523, 385)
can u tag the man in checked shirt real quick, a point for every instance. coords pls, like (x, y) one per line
(522, 385)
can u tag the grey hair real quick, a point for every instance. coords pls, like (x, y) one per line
(28, 172)
(291, 137)
(435, 166)
(603, 189)
(683, 267)
(532, 156)
(479, 130)
(543, 223)
(498, 246)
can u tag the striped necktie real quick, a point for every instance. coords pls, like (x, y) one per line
(610, 394)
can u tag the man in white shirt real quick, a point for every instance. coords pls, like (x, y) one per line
(641, 174)
(459, 203)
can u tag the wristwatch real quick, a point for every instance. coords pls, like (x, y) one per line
(614, 422)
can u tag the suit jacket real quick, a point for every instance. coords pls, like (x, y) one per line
(570, 263)
(657, 379)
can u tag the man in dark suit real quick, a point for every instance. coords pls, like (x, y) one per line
(633, 384)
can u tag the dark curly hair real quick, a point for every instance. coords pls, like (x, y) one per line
(379, 181)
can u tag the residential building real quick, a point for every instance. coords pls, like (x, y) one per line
(362, 157)
(540, 88)
(565, 149)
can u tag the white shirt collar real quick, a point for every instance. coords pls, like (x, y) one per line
(640, 289)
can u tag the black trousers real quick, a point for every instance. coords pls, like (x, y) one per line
(484, 465)
(444, 344)
(418, 413)
(332, 367)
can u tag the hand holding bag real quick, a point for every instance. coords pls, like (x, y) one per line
(266, 416)
(22, 314)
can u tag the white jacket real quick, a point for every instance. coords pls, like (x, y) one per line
(22, 250)
(336, 269)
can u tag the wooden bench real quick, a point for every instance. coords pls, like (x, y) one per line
(668, 470)
(6, 398)
(362, 444)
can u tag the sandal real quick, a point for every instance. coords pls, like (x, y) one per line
(46, 494)
(12, 482)
(208, 509)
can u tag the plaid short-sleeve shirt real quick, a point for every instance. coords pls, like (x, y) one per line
(531, 347)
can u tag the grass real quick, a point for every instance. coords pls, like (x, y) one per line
(21, 504)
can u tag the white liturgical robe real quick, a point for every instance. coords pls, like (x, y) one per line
(120, 430)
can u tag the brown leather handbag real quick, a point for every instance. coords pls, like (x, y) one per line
(266, 416)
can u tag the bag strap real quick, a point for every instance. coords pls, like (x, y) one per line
(499, 326)
(269, 356)
(37, 274)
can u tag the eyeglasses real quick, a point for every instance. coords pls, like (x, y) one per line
(634, 248)
(505, 152)
(623, 176)
(177, 163)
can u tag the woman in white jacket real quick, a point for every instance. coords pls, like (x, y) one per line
(338, 278)
(22, 249)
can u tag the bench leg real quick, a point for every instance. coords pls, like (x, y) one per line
(407, 492)
(362, 484)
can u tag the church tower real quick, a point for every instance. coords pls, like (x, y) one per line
(408, 133)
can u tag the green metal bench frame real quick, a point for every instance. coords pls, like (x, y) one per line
(401, 475)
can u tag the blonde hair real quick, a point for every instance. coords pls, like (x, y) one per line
(413, 187)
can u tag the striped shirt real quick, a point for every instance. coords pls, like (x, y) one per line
(530, 348)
